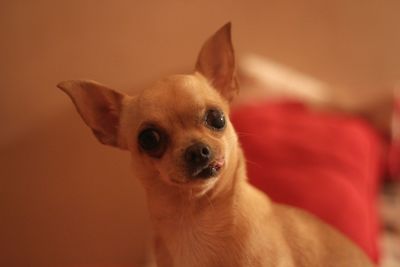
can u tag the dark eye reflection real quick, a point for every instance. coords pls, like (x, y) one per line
(215, 119)
(152, 141)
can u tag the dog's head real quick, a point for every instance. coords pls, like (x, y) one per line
(178, 131)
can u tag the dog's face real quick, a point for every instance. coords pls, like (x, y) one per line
(183, 136)
(178, 131)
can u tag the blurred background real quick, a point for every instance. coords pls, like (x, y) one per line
(65, 199)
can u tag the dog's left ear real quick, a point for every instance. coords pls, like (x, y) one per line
(99, 106)
(216, 62)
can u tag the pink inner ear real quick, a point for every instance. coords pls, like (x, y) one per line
(107, 108)
(107, 120)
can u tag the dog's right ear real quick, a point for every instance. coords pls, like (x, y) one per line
(100, 108)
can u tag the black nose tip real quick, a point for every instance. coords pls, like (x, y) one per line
(198, 154)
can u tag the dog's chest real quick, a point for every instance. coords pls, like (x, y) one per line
(192, 246)
(196, 243)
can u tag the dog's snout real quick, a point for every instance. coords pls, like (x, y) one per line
(198, 154)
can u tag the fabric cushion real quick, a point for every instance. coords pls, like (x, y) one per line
(327, 164)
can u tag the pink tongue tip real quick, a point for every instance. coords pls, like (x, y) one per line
(219, 163)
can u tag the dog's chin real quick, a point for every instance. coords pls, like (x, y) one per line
(196, 187)
(208, 171)
(200, 178)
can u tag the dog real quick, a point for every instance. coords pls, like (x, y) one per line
(187, 156)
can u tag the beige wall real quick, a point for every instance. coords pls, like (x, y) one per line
(63, 197)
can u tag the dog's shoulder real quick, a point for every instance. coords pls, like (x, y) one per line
(303, 232)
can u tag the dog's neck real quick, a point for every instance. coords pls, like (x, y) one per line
(185, 222)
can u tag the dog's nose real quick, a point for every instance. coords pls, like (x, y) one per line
(198, 154)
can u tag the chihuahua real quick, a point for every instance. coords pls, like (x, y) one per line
(186, 154)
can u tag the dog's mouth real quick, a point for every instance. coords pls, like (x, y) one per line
(201, 174)
(210, 170)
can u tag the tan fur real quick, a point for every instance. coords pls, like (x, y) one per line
(222, 220)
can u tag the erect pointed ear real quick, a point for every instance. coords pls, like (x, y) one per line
(99, 107)
(216, 62)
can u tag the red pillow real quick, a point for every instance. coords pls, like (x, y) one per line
(328, 164)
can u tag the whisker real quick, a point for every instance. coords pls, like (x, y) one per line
(246, 134)
(253, 163)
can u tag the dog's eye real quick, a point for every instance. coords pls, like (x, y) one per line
(150, 140)
(215, 119)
